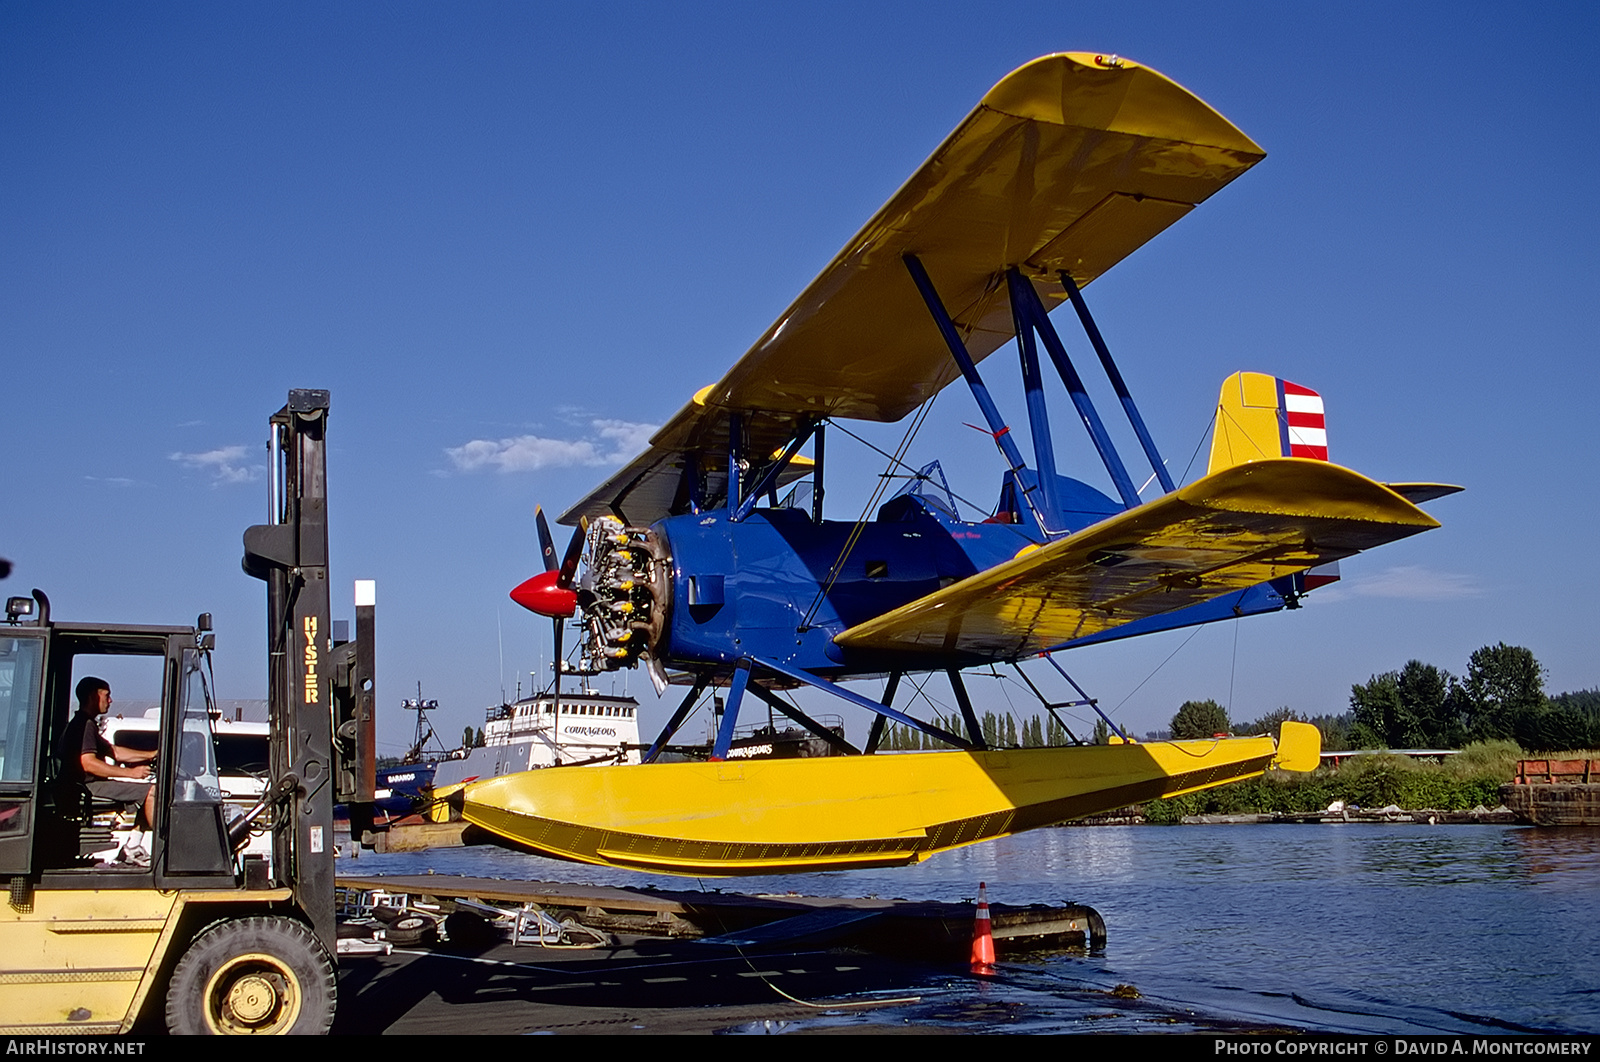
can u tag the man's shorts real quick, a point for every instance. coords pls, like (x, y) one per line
(119, 789)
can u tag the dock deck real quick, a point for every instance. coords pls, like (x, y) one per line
(926, 930)
(724, 963)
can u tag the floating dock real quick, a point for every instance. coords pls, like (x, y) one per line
(1555, 792)
(921, 930)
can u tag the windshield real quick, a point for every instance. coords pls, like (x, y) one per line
(20, 670)
(197, 759)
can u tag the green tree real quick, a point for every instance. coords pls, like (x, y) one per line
(1199, 719)
(1271, 722)
(1554, 728)
(1335, 731)
(466, 738)
(1504, 684)
(1102, 733)
(1434, 699)
(1418, 706)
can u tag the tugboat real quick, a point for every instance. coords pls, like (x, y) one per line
(402, 788)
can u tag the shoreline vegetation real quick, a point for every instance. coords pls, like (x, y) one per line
(1375, 782)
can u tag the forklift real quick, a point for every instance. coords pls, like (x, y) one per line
(198, 933)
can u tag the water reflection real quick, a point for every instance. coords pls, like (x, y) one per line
(1385, 929)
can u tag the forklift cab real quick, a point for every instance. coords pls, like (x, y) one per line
(214, 940)
(47, 823)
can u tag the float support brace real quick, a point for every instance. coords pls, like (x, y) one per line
(730, 710)
(677, 718)
(805, 720)
(1090, 701)
(960, 690)
(880, 721)
(839, 691)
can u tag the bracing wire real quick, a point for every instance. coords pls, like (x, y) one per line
(861, 521)
(1158, 667)
(1233, 669)
(1211, 423)
(968, 502)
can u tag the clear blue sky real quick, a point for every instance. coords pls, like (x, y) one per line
(491, 221)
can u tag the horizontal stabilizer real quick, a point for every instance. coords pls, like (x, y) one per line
(1244, 525)
(1417, 493)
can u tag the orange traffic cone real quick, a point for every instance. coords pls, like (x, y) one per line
(982, 936)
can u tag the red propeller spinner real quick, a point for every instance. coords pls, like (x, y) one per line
(552, 592)
(545, 595)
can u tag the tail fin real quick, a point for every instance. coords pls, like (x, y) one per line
(1261, 416)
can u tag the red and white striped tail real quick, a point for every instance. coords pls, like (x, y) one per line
(1307, 426)
(1260, 417)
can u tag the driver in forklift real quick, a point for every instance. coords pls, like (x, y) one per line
(127, 780)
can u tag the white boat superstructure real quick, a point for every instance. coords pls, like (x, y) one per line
(581, 729)
(581, 725)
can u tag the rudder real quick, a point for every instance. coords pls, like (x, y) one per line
(1261, 416)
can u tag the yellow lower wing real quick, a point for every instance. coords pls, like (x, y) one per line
(1231, 530)
(779, 816)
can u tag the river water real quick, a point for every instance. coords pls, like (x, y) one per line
(1361, 928)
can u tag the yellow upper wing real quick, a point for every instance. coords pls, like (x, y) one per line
(1231, 530)
(1070, 163)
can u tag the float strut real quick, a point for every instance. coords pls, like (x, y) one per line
(730, 710)
(960, 689)
(880, 722)
(805, 720)
(1090, 701)
(881, 708)
(677, 719)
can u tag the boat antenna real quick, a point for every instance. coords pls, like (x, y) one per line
(500, 637)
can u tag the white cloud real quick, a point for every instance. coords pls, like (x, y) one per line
(226, 464)
(1414, 583)
(627, 439)
(611, 442)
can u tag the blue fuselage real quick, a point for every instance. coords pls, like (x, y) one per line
(778, 586)
(773, 585)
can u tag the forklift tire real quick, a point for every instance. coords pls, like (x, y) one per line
(251, 976)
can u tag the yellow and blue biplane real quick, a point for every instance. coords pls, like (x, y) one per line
(698, 570)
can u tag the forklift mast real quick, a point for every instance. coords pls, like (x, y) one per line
(320, 694)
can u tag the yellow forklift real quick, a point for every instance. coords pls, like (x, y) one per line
(197, 932)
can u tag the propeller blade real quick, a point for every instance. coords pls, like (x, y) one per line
(555, 709)
(569, 563)
(547, 545)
